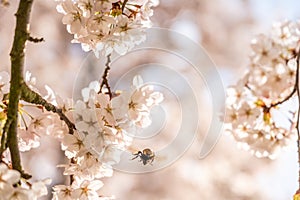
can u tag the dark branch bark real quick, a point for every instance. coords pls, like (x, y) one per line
(17, 68)
(123, 5)
(35, 40)
(104, 81)
(298, 115)
(19, 89)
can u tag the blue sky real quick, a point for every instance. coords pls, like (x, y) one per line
(268, 11)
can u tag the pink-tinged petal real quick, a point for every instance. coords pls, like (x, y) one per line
(75, 27)
(95, 185)
(68, 19)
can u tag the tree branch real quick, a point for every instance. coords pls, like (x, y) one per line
(295, 85)
(31, 96)
(17, 65)
(104, 81)
(19, 89)
(298, 115)
(35, 40)
(123, 5)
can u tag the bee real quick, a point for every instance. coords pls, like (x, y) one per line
(146, 156)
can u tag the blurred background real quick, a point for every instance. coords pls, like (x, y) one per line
(224, 29)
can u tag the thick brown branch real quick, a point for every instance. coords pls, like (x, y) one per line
(17, 64)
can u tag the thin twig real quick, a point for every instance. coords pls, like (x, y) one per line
(104, 81)
(35, 40)
(123, 5)
(72, 179)
(295, 88)
(286, 98)
(298, 114)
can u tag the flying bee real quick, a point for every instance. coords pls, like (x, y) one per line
(146, 156)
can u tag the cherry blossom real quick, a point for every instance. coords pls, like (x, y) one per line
(73, 18)
(28, 140)
(107, 26)
(100, 136)
(72, 145)
(135, 106)
(8, 176)
(9, 189)
(91, 130)
(99, 139)
(41, 124)
(87, 190)
(251, 104)
(62, 192)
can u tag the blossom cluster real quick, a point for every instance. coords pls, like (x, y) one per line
(104, 129)
(27, 191)
(260, 114)
(34, 123)
(108, 25)
(30, 127)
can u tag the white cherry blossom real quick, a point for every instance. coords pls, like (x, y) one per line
(250, 106)
(87, 190)
(62, 192)
(136, 106)
(28, 139)
(72, 145)
(107, 26)
(73, 16)
(41, 124)
(8, 176)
